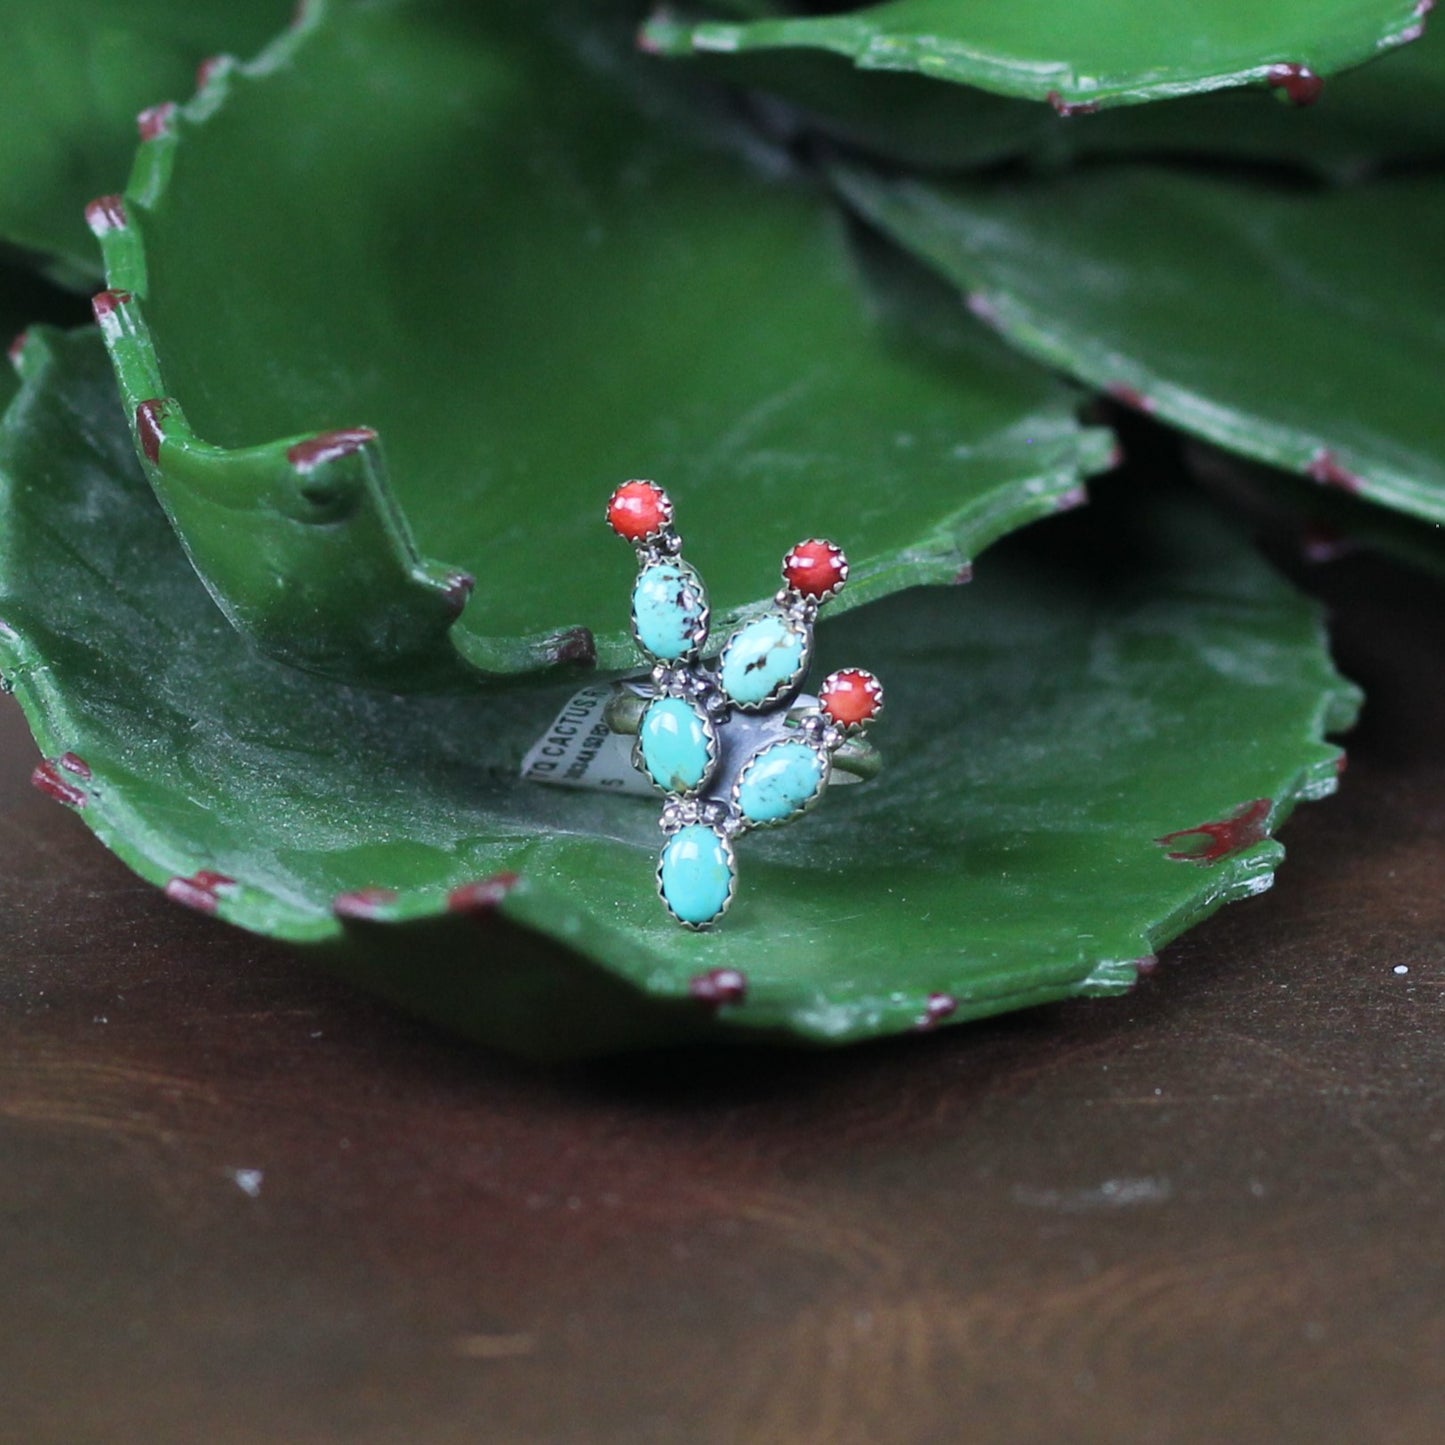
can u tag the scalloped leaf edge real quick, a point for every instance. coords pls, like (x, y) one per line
(855, 37)
(329, 490)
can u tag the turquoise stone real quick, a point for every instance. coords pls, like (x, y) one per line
(762, 659)
(677, 744)
(696, 874)
(780, 781)
(669, 607)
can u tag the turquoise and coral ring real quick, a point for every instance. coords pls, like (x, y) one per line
(732, 744)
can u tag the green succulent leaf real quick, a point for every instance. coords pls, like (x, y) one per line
(1391, 111)
(74, 76)
(1080, 52)
(1089, 749)
(495, 288)
(1299, 327)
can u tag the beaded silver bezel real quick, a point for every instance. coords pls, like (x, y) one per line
(787, 686)
(827, 760)
(714, 746)
(816, 598)
(732, 857)
(701, 628)
(663, 528)
(874, 689)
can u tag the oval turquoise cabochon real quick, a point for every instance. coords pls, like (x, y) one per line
(781, 781)
(677, 743)
(697, 874)
(764, 659)
(669, 610)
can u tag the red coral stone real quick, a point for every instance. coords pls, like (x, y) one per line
(639, 511)
(815, 568)
(852, 698)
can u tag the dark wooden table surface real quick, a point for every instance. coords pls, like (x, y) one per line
(240, 1203)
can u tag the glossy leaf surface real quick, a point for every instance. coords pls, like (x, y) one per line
(1297, 327)
(530, 290)
(1389, 112)
(1077, 52)
(74, 74)
(1087, 750)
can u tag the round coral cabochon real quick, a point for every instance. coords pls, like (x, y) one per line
(639, 511)
(815, 568)
(852, 697)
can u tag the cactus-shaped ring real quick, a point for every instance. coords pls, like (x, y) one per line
(733, 744)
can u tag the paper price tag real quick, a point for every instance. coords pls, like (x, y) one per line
(579, 750)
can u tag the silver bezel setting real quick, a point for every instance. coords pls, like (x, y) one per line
(714, 746)
(874, 689)
(824, 755)
(817, 599)
(701, 628)
(789, 685)
(659, 532)
(732, 857)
